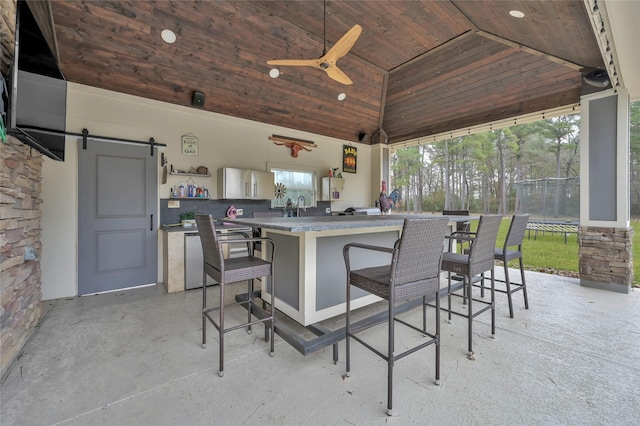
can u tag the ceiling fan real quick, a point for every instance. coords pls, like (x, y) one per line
(327, 62)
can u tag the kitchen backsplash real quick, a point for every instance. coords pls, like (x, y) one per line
(218, 208)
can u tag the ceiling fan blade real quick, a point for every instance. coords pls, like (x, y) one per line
(336, 73)
(343, 45)
(295, 62)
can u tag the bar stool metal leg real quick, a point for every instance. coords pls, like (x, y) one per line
(524, 285)
(508, 285)
(348, 330)
(221, 331)
(204, 308)
(390, 355)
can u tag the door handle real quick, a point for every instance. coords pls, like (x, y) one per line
(151, 223)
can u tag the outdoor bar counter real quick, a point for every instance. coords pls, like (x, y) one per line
(309, 269)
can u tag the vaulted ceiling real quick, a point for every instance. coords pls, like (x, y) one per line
(419, 68)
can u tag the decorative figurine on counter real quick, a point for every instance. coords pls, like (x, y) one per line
(232, 213)
(385, 201)
(279, 192)
(289, 203)
(396, 197)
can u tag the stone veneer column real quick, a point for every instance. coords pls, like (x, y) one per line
(20, 279)
(606, 258)
(605, 234)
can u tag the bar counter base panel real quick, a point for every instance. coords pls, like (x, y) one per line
(311, 273)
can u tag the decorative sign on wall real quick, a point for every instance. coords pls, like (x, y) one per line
(294, 144)
(349, 158)
(189, 144)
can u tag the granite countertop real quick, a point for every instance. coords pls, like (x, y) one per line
(322, 223)
(219, 225)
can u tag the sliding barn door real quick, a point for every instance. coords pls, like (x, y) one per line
(117, 202)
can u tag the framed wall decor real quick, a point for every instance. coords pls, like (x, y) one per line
(349, 158)
(189, 144)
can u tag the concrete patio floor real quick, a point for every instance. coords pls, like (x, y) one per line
(134, 358)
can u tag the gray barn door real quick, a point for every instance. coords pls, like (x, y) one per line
(117, 213)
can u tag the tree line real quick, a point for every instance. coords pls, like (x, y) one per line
(482, 172)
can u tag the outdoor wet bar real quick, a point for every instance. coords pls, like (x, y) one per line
(310, 268)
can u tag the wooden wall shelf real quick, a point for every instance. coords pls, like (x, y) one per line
(190, 174)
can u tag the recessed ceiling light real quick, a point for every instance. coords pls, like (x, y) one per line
(516, 14)
(342, 96)
(168, 36)
(274, 73)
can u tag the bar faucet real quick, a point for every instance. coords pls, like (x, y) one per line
(300, 199)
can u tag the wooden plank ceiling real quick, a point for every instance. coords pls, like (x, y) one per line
(419, 67)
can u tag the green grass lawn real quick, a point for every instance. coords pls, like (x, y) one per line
(549, 254)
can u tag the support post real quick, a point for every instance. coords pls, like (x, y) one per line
(605, 235)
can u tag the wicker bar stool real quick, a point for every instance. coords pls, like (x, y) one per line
(227, 271)
(476, 260)
(414, 271)
(461, 227)
(511, 250)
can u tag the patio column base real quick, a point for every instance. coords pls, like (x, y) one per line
(606, 258)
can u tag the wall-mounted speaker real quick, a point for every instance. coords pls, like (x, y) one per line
(363, 137)
(197, 100)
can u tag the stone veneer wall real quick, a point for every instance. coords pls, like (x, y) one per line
(7, 34)
(20, 279)
(606, 258)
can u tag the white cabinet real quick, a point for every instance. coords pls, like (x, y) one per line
(332, 189)
(262, 185)
(232, 182)
(245, 184)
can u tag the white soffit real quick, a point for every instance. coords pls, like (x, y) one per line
(624, 18)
